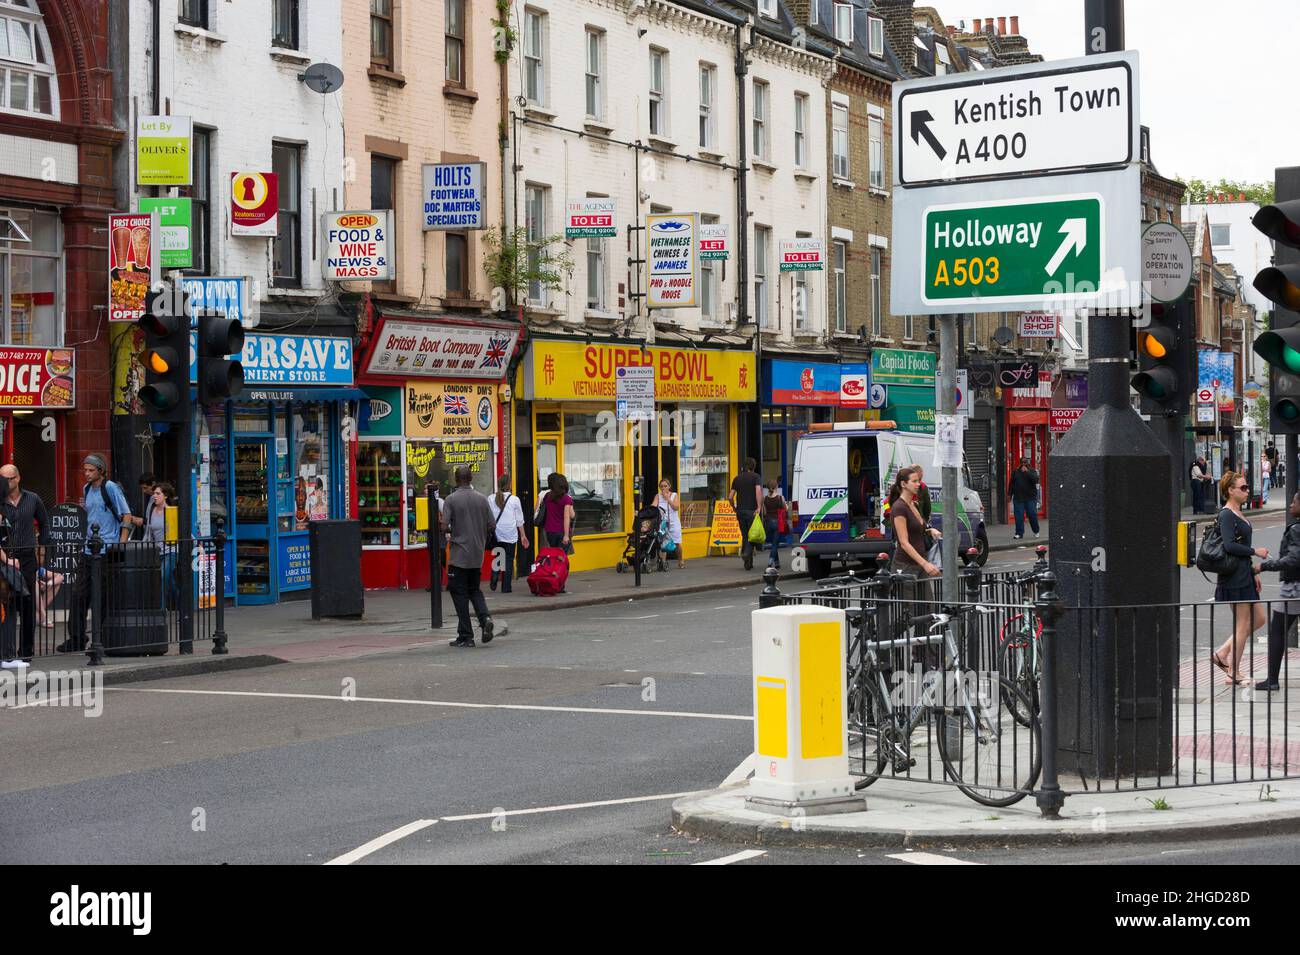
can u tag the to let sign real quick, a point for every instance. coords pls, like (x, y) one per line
(801, 255)
(1013, 251)
(590, 219)
(1072, 114)
(713, 241)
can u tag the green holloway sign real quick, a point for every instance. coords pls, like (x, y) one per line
(1016, 251)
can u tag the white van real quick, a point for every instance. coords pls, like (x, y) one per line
(841, 476)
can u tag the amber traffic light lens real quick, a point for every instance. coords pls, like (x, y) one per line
(1153, 346)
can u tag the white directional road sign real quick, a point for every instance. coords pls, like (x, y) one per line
(1022, 120)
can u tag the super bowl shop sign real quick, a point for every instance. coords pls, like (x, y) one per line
(358, 245)
(573, 371)
(37, 378)
(416, 349)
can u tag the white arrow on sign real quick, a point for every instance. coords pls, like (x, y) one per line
(1076, 237)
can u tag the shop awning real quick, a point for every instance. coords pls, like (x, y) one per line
(272, 393)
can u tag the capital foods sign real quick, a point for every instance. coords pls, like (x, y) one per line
(574, 371)
(37, 378)
(428, 350)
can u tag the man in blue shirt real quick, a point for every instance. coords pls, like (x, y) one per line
(109, 516)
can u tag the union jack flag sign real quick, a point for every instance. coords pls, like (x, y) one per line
(455, 404)
(494, 355)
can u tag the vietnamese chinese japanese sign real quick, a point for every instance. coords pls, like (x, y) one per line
(671, 260)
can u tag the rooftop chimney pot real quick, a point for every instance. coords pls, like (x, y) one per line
(1002, 26)
(1015, 26)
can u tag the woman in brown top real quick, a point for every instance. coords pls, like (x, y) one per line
(911, 540)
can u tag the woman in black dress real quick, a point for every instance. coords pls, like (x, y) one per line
(1241, 587)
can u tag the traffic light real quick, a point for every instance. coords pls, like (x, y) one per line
(1280, 284)
(1166, 356)
(165, 358)
(219, 377)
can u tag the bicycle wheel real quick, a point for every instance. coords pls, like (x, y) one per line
(1016, 663)
(998, 763)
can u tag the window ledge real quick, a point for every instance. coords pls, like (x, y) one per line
(539, 111)
(600, 316)
(810, 333)
(386, 75)
(845, 336)
(806, 175)
(843, 183)
(542, 311)
(184, 29)
(881, 340)
(394, 297)
(292, 57)
(713, 154)
(664, 141)
(763, 164)
(877, 191)
(599, 125)
(460, 301)
(286, 292)
(459, 92)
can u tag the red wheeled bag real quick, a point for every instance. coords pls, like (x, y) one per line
(550, 573)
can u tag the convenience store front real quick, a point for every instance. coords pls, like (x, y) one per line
(615, 466)
(421, 422)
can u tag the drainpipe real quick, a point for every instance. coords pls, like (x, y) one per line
(755, 439)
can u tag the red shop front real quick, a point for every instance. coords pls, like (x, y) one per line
(37, 390)
(437, 400)
(1026, 424)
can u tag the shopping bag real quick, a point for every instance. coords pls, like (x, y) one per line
(935, 556)
(757, 534)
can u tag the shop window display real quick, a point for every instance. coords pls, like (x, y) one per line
(379, 492)
(435, 462)
(594, 470)
(312, 460)
(703, 467)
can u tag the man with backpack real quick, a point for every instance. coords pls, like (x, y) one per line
(108, 515)
(467, 516)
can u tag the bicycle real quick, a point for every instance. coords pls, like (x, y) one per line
(1020, 653)
(971, 724)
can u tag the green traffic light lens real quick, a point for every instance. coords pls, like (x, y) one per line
(1291, 358)
(1156, 390)
(1287, 410)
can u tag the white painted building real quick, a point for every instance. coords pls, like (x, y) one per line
(233, 67)
(1233, 239)
(588, 77)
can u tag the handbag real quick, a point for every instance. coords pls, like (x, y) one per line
(782, 526)
(757, 533)
(935, 555)
(1211, 558)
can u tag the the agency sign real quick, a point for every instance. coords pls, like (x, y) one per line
(674, 268)
(162, 150)
(715, 240)
(454, 196)
(358, 245)
(802, 255)
(254, 203)
(589, 219)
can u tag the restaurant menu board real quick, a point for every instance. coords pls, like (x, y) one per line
(67, 541)
(37, 378)
(132, 264)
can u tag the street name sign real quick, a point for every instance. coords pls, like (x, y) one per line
(1010, 251)
(1025, 120)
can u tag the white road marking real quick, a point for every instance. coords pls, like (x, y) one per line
(929, 858)
(727, 607)
(740, 772)
(387, 839)
(649, 616)
(444, 703)
(680, 612)
(738, 857)
(575, 805)
(697, 673)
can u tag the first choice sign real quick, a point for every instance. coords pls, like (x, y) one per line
(1071, 114)
(1013, 251)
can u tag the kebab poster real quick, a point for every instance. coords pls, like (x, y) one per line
(132, 263)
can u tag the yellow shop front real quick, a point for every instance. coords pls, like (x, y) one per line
(614, 465)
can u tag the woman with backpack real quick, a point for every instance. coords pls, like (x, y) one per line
(508, 524)
(1240, 585)
(774, 520)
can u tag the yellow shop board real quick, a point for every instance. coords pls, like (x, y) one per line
(574, 371)
(451, 410)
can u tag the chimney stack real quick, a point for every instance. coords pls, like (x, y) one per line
(988, 24)
(1015, 26)
(1002, 26)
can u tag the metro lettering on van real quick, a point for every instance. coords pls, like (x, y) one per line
(826, 493)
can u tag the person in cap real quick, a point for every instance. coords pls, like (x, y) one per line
(108, 515)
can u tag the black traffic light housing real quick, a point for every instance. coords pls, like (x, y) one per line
(1280, 284)
(1166, 350)
(165, 392)
(219, 376)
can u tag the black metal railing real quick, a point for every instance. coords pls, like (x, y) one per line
(1130, 698)
(112, 599)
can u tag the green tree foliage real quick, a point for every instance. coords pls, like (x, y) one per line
(513, 261)
(1199, 190)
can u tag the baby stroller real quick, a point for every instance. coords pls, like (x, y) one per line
(645, 545)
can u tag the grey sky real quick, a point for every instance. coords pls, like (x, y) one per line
(1209, 75)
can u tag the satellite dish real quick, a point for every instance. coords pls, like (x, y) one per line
(322, 77)
(1003, 336)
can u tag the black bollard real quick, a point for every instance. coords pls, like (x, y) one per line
(435, 559)
(770, 596)
(219, 634)
(1049, 797)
